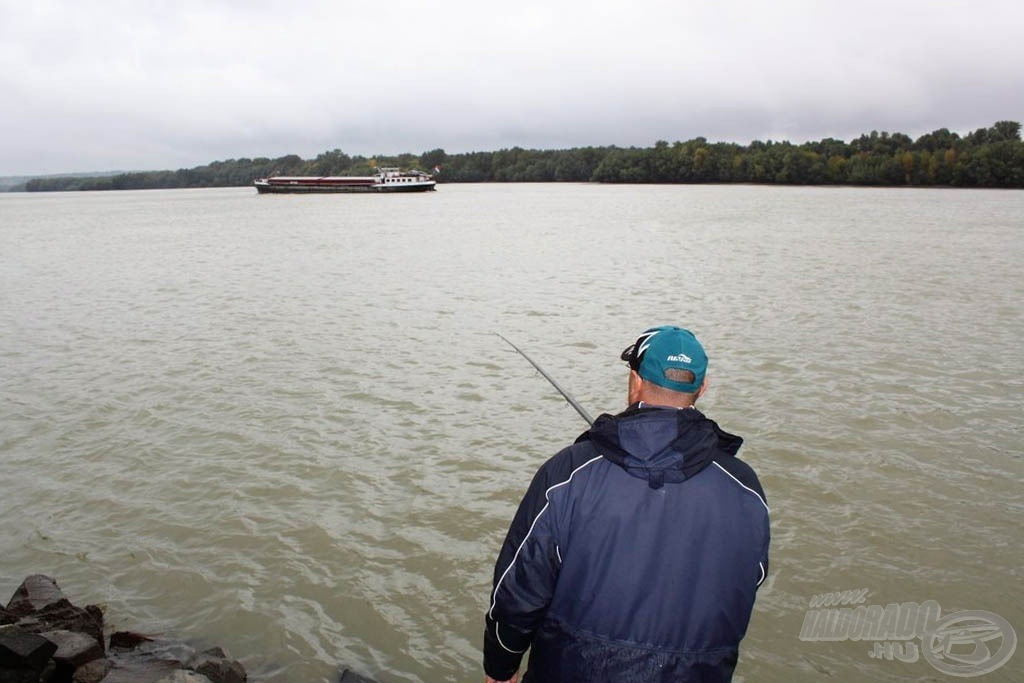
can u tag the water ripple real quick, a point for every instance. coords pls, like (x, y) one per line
(288, 427)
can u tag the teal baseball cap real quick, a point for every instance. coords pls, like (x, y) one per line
(661, 350)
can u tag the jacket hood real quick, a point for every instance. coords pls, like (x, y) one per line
(660, 444)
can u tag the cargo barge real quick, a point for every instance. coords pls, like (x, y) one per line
(385, 180)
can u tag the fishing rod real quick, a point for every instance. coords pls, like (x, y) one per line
(573, 402)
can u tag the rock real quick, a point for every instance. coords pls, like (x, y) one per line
(63, 616)
(34, 593)
(158, 648)
(20, 649)
(74, 649)
(93, 672)
(183, 676)
(19, 676)
(349, 676)
(127, 640)
(50, 640)
(131, 670)
(150, 660)
(217, 665)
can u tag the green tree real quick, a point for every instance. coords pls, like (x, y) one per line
(433, 158)
(987, 157)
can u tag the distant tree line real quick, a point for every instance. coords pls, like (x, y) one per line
(988, 157)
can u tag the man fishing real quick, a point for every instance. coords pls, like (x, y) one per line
(636, 553)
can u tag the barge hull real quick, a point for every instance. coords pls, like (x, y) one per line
(388, 180)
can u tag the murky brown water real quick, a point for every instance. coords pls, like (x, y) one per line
(285, 424)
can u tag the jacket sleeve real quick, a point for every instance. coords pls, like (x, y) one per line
(745, 476)
(763, 565)
(755, 485)
(524, 580)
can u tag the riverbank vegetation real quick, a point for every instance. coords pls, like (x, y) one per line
(988, 157)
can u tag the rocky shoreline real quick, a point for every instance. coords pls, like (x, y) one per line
(44, 638)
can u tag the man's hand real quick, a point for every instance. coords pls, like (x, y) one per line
(514, 679)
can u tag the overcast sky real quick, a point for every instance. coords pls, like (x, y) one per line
(89, 85)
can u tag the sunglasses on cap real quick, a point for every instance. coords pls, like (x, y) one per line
(631, 356)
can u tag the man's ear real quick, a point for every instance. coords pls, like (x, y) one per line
(635, 382)
(703, 387)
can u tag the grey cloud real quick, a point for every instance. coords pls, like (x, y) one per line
(161, 85)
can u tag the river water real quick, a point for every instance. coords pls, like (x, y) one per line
(285, 424)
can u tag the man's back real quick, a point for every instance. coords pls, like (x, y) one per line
(636, 553)
(646, 540)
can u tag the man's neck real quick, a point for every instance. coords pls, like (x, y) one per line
(648, 404)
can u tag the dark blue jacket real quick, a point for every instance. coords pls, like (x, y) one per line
(635, 556)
